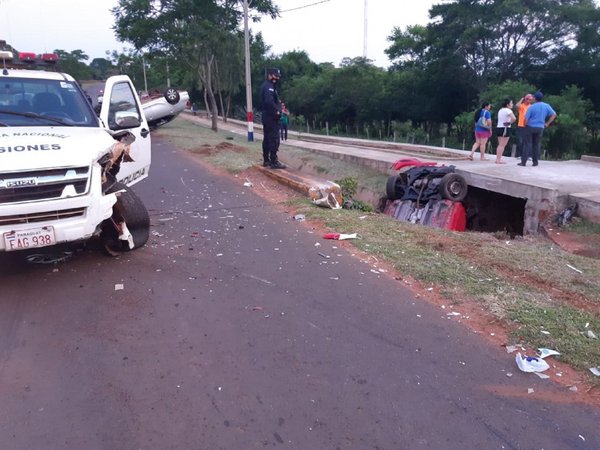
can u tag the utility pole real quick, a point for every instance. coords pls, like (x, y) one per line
(365, 32)
(249, 113)
(145, 80)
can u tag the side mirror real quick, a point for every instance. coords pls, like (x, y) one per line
(126, 119)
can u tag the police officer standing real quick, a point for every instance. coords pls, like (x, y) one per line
(271, 113)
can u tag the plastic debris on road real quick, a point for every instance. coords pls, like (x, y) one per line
(531, 363)
(339, 236)
(119, 287)
(299, 217)
(545, 352)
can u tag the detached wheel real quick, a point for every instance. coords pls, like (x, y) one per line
(453, 187)
(172, 96)
(130, 209)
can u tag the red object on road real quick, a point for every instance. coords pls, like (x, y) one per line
(339, 236)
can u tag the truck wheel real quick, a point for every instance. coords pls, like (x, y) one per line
(172, 96)
(129, 208)
(453, 187)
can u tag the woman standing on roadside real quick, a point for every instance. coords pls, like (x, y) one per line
(483, 130)
(506, 117)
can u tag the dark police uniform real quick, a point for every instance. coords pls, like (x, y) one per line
(271, 112)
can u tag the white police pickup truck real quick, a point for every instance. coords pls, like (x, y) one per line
(65, 170)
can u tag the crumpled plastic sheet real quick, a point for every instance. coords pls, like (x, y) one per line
(531, 363)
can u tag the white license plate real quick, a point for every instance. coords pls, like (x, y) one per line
(32, 238)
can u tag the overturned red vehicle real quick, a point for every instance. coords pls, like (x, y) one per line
(427, 194)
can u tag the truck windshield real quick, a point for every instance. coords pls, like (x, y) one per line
(61, 101)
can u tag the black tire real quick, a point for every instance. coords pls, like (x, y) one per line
(130, 208)
(390, 187)
(396, 186)
(172, 96)
(453, 187)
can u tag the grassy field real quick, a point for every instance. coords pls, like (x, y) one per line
(544, 296)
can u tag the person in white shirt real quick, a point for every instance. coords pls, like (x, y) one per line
(506, 117)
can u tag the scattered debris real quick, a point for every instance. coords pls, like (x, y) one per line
(573, 389)
(544, 332)
(119, 287)
(328, 201)
(248, 183)
(254, 308)
(328, 194)
(543, 376)
(591, 334)
(566, 215)
(574, 268)
(324, 255)
(48, 258)
(339, 236)
(545, 352)
(530, 391)
(531, 363)
(595, 371)
(511, 348)
(454, 313)
(299, 217)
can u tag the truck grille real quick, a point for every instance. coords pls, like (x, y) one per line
(41, 216)
(43, 184)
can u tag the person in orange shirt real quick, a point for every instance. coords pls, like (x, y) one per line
(522, 107)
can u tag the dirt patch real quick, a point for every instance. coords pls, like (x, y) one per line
(209, 150)
(576, 243)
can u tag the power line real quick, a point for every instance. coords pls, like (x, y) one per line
(306, 6)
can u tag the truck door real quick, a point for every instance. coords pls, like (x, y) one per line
(120, 100)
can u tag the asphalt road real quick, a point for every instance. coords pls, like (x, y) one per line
(232, 332)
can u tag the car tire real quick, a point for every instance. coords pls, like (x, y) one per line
(172, 96)
(395, 187)
(132, 210)
(453, 187)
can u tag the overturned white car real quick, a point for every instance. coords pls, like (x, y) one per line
(65, 172)
(160, 108)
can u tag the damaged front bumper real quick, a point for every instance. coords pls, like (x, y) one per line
(68, 219)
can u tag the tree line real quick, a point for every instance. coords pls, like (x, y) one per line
(470, 52)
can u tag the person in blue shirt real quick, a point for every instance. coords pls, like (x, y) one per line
(483, 130)
(538, 117)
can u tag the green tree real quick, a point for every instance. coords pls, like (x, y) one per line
(568, 137)
(74, 64)
(191, 31)
(101, 67)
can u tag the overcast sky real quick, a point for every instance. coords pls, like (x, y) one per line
(328, 31)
